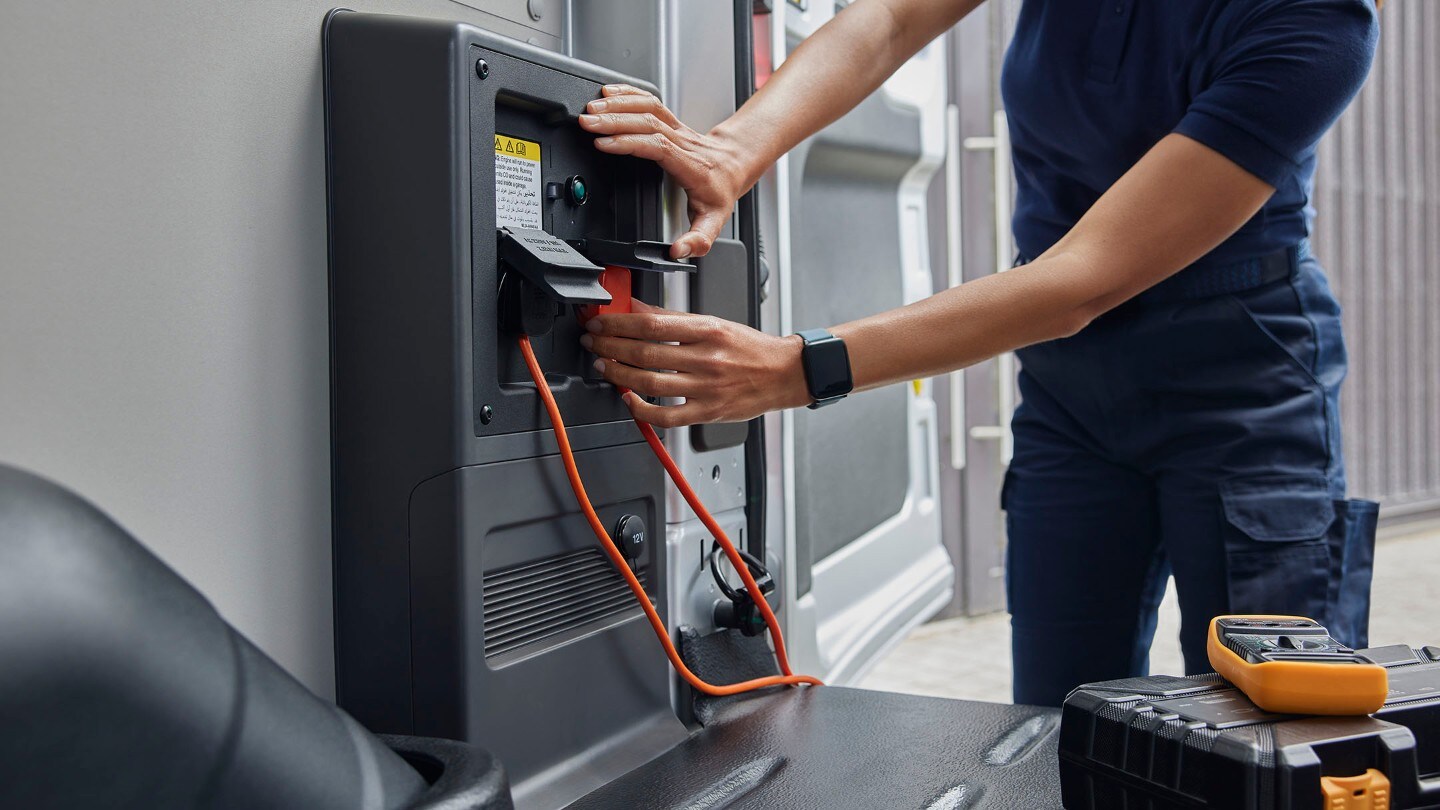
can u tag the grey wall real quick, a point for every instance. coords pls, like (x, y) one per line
(1378, 234)
(163, 344)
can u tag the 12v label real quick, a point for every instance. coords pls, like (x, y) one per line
(517, 182)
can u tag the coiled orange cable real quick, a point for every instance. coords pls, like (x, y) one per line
(567, 455)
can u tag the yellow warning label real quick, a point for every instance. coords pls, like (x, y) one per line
(515, 147)
(517, 183)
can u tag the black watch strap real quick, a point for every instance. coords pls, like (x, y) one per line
(827, 367)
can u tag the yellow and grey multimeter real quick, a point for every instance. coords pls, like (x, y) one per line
(1291, 665)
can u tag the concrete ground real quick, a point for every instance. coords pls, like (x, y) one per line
(969, 657)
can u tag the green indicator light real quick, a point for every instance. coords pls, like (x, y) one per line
(578, 192)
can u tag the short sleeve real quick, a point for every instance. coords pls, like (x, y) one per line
(1287, 74)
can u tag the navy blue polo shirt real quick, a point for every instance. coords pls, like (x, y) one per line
(1091, 85)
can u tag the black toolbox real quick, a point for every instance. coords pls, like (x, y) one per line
(1168, 742)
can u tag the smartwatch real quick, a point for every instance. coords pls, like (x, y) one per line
(827, 367)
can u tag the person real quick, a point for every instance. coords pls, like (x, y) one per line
(1180, 349)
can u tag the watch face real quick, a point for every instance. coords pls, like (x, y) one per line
(827, 368)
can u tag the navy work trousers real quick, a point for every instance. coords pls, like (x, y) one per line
(1200, 438)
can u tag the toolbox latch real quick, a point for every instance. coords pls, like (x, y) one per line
(1368, 791)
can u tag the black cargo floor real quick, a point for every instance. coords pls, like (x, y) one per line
(834, 747)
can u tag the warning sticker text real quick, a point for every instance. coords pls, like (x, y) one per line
(517, 182)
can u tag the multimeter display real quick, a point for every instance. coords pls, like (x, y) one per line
(1283, 648)
(1275, 647)
(1258, 641)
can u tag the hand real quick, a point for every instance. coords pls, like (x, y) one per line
(634, 122)
(727, 372)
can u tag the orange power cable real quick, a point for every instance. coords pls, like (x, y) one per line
(608, 546)
(710, 523)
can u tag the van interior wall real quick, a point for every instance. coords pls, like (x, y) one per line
(163, 291)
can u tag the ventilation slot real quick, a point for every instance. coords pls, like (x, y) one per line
(553, 600)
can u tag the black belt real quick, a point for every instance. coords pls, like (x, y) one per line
(1208, 281)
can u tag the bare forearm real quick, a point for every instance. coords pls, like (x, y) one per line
(967, 324)
(831, 72)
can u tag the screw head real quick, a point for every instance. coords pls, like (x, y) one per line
(486, 414)
(482, 68)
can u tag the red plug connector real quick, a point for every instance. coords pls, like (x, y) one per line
(616, 281)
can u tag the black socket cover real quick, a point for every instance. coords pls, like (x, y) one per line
(630, 536)
(552, 266)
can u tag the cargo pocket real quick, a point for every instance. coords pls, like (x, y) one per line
(1356, 540)
(1278, 548)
